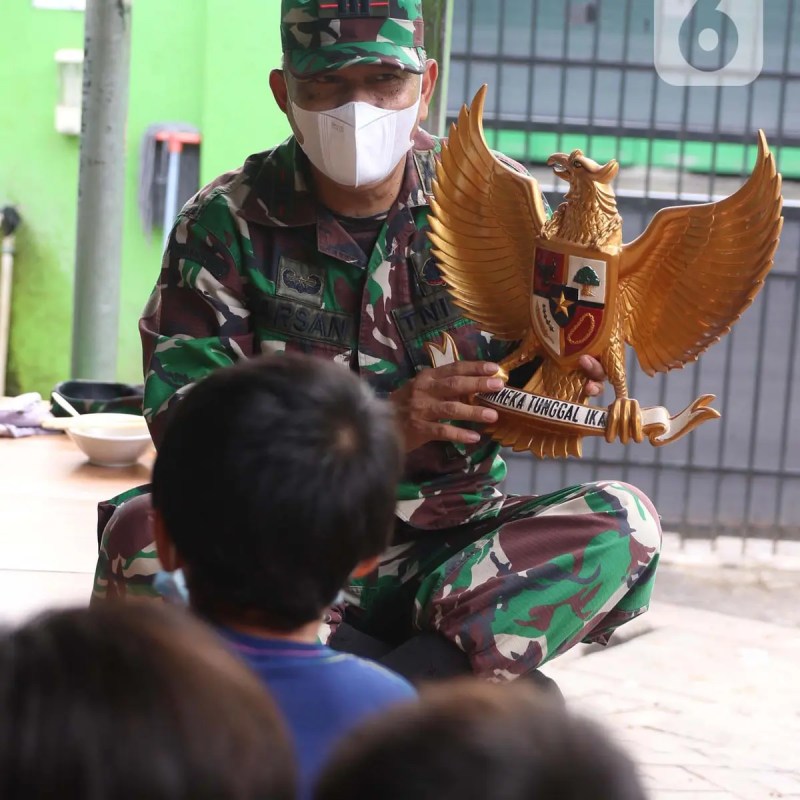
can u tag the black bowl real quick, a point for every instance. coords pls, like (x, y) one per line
(95, 397)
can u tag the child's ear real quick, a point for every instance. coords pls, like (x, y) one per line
(364, 568)
(165, 549)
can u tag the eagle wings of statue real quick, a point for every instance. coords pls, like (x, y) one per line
(568, 286)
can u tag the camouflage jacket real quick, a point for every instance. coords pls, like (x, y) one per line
(255, 265)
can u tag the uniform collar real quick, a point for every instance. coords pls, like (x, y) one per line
(281, 195)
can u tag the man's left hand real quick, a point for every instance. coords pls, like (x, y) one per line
(595, 374)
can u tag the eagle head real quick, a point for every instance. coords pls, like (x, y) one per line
(577, 168)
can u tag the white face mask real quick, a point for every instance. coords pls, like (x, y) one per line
(356, 144)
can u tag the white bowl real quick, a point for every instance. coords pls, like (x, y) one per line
(110, 440)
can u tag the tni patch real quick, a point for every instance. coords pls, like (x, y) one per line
(433, 314)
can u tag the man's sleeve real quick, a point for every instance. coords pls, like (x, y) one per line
(196, 319)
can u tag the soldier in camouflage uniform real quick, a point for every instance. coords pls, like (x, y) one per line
(277, 257)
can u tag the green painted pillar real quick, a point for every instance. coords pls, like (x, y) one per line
(438, 39)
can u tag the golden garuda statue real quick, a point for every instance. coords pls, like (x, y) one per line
(567, 286)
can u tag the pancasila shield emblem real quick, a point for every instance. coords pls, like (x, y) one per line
(573, 300)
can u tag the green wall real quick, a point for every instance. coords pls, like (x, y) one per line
(205, 62)
(239, 113)
(39, 173)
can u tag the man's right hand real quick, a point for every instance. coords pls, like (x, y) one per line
(436, 397)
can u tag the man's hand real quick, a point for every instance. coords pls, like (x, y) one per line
(436, 397)
(596, 376)
(427, 404)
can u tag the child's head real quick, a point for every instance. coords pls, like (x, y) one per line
(139, 701)
(275, 481)
(472, 741)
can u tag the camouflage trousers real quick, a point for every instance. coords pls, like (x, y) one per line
(512, 591)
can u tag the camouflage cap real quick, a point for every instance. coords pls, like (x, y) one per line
(319, 35)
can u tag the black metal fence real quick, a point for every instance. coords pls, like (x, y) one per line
(581, 74)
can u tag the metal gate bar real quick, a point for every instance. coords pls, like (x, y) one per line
(742, 475)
